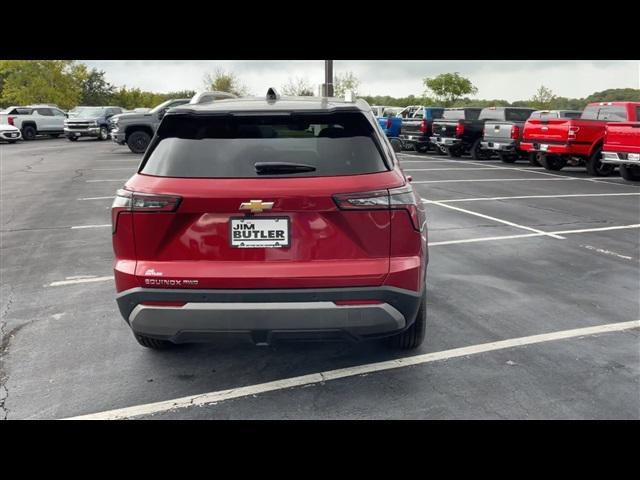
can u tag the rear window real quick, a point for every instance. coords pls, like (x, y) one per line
(516, 115)
(229, 146)
(571, 114)
(612, 113)
(460, 114)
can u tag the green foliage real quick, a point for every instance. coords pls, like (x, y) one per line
(449, 87)
(223, 81)
(135, 98)
(297, 87)
(615, 95)
(543, 99)
(345, 81)
(95, 89)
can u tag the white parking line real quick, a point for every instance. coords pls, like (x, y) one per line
(96, 198)
(495, 180)
(499, 220)
(479, 199)
(108, 180)
(79, 280)
(509, 237)
(287, 383)
(78, 227)
(464, 169)
(109, 169)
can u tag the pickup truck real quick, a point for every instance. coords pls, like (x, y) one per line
(504, 136)
(386, 116)
(136, 129)
(35, 120)
(575, 142)
(90, 122)
(416, 129)
(460, 131)
(622, 147)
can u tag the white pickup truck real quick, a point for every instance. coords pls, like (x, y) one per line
(35, 120)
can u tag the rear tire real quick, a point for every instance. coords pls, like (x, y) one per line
(630, 172)
(454, 152)
(438, 150)
(533, 159)
(72, 139)
(507, 158)
(138, 141)
(104, 134)
(552, 162)
(413, 336)
(596, 168)
(29, 132)
(477, 153)
(153, 343)
(421, 149)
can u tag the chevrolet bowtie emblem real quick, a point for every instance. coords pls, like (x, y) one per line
(256, 206)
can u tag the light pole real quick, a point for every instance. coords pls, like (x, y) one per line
(328, 78)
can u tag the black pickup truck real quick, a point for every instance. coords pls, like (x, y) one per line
(461, 129)
(503, 136)
(416, 129)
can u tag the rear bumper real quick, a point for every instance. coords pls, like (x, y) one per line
(445, 141)
(617, 158)
(84, 132)
(499, 145)
(11, 136)
(266, 315)
(553, 148)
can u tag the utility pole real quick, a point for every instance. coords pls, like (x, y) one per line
(327, 88)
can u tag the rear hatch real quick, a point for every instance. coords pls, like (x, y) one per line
(547, 130)
(256, 202)
(623, 137)
(445, 128)
(501, 132)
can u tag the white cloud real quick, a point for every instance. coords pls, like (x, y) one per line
(509, 80)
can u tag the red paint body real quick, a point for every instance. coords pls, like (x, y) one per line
(329, 247)
(623, 137)
(571, 137)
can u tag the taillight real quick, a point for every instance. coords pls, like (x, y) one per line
(459, 129)
(515, 132)
(393, 199)
(572, 132)
(423, 127)
(129, 201)
(357, 302)
(388, 123)
(10, 120)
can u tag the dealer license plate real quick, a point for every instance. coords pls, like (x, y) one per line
(271, 232)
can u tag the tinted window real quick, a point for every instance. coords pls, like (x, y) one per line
(230, 146)
(58, 113)
(637, 113)
(492, 114)
(571, 114)
(613, 113)
(437, 113)
(514, 115)
(46, 112)
(590, 113)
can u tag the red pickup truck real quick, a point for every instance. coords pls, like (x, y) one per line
(622, 148)
(563, 141)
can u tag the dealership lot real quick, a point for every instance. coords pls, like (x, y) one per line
(515, 252)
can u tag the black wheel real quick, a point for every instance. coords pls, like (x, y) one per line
(507, 158)
(421, 148)
(477, 153)
(72, 139)
(630, 172)
(533, 159)
(29, 132)
(595, 166)
(152, 343)
(396, 144)
(54, 135)
(552, 162)
(454, 152)
(413, 336)
(138, 141)
(104, 134)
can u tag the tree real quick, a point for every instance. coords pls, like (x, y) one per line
(95, 89)
(40, 81)
(298, 87)
(345, 81)
(224, 81)
(543, 99)
(449, 87)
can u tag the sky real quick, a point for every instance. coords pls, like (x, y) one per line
(504, 79)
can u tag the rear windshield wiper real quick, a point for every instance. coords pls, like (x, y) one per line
(265, 168)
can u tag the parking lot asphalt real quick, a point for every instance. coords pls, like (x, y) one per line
(515, 252)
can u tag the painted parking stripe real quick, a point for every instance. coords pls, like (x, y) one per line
(528, 235)
(479, 199)
(320, 377)
(463, 169)
(108, 180)
(497, 180)
(78, 227)
(96, 198)
(75, 281)
(499, 220)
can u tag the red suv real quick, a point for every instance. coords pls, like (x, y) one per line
(277, 218)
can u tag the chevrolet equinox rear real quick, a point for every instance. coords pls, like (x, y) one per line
(274, 218)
